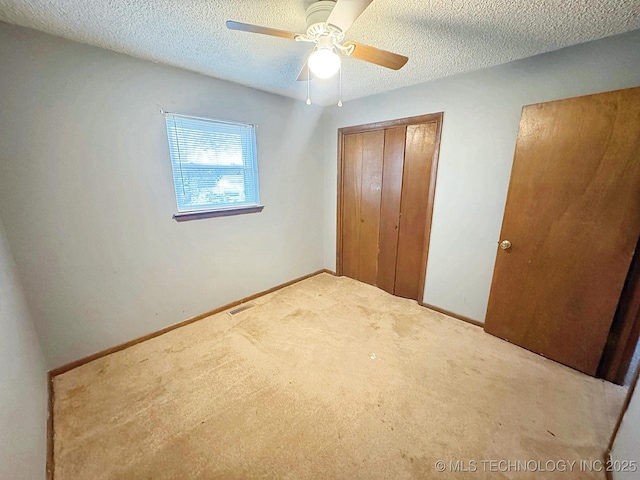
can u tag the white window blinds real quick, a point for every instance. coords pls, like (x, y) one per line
(214, 163)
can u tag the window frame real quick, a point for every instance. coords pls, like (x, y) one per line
(226, 209)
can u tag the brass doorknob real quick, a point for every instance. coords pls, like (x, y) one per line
(505, 244)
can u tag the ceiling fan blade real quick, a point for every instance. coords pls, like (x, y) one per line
(247, 27)
(305, 73)
(377, 56)
(346, 12)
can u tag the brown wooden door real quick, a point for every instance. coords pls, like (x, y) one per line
(394, 145)
(386, 200)
(361, 204)
(419, 149)
(573, 219)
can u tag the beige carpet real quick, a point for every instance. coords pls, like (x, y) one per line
(328, 378)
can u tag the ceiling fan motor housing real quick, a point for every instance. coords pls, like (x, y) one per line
(317, 28)
(318, 12)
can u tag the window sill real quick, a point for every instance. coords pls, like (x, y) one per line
(222, 212)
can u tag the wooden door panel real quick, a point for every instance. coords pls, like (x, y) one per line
(573, 218)
(352, 176)
(419, 150)
(394, 144)
(361, 204)
(373, 152)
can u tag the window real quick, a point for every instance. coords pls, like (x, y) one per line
(214, 166)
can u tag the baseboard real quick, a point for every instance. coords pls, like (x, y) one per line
(451, 314)
(70, 366)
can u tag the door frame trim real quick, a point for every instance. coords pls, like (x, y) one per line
(625, 407)
(625, 330)
(436, 118)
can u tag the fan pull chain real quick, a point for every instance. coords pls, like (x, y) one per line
(308, 85)
(340, 97)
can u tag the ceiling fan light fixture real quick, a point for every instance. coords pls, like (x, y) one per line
(324, 62)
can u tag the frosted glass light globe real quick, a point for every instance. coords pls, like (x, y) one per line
(324, 63)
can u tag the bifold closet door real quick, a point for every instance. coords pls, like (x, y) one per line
(362, 180)
(394, 145)
(386, 180)
(373, 182)
(420, 145)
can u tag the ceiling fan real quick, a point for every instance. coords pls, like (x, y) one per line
(327, 23)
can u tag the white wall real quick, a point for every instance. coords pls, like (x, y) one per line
(86, 194)
(626, 447)
(23, 381)
(481, 116)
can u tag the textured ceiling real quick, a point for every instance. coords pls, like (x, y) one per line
(440, 37)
